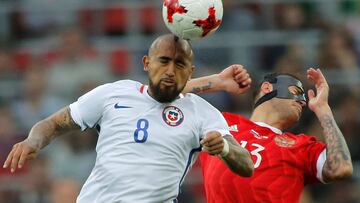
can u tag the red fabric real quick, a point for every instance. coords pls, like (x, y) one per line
(22, 59)
(120, 61)
(286, 163)
(149, 18)
(115, 20)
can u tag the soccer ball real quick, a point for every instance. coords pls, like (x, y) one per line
(192, 19)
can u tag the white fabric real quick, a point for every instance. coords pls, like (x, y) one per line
(226, 148)
(275, 130)
(320, 165)
(151, 171)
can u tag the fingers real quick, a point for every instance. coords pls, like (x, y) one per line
(25, 156)
(316, 76)
(311, 94)
(214, 150)
(15, 159)
(213, 143)
(18, 156)
(242, 77)
(245, 84)
(9, 157)
(237, 67)
(210, 136)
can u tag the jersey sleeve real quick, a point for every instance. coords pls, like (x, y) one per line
(88, 109)
(314, 154)
(211, 119)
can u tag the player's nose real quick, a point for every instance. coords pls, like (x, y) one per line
(170, 69)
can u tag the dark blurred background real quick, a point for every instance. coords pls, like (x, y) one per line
(53, 51)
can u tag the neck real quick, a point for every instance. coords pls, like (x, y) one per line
(269, 115)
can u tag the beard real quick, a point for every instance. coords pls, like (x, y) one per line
(164, 95)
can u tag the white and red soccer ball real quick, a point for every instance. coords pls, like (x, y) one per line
(192, 19)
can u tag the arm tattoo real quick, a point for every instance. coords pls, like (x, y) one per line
(43, 132)
(337, 152)
(238, 160)
(64, 120)
(202, 88)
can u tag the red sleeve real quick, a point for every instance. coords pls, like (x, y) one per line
(310, 152)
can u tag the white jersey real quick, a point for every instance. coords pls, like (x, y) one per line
(145, 148)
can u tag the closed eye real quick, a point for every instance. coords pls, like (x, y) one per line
(164, 59)
(180, 64)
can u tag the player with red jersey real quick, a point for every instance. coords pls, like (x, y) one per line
(283, 162)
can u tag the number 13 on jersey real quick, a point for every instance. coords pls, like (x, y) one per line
(255, 152)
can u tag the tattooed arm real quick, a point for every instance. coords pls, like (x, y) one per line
(338, 163)
(338, 159)
(237, 159)
(41, 134)
(234, 79)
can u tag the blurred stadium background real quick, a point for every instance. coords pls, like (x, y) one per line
(53, 51)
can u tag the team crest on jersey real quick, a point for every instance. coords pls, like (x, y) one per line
(284, 141)
(172, 116)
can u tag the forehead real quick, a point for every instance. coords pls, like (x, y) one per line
(173, 49)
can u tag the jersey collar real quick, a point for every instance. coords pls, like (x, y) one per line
(275, 130)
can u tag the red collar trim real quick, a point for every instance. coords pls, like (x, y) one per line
(142, 89)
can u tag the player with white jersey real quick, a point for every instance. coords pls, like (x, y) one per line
(149, 136)
(145, 148)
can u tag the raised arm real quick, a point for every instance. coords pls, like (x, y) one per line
(233, 79)
(338, 163)
(235, 157)
(41, 134)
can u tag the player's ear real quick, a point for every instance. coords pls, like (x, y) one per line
(146, 61)
(266, 87)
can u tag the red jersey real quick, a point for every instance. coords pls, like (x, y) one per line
(283, 164)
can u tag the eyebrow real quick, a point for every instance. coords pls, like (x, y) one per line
(164, 58)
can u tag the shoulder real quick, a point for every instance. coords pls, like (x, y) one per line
(126, 84)
(122, 85)
(115, 88)
(236, 118)
(195, 99)
(228, 115)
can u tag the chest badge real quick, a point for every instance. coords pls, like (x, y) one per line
(284, 141)
(172, 116)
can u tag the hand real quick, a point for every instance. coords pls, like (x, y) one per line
(212, 143)
(235, 79)
(319, 100)
(20, 153)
